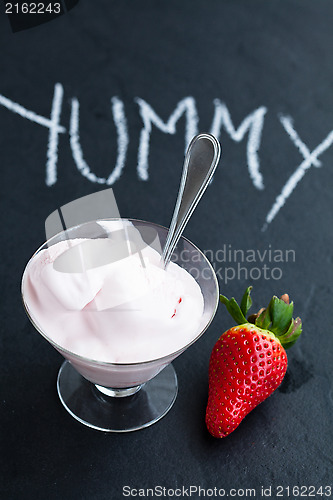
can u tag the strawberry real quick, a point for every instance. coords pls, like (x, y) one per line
(249, 361)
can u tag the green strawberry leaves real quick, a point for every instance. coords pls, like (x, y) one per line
(238, 313)
(233, 309)
(280, 314)
(277, 317)
(292, 334)
(246, 301)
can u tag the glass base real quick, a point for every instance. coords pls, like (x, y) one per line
(95, 408)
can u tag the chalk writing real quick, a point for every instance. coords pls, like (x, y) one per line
(122, 133)
(52, 151)
(309, 160)
(52, 124)
(149, 116)
(252, 126)
(253, 123)
(80, 162)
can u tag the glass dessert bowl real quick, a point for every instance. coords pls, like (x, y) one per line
(98, 293)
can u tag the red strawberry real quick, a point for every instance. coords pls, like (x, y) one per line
(248, 362)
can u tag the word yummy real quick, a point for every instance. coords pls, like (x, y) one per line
(251, 127)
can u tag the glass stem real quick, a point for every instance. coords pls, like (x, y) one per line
(118, 393)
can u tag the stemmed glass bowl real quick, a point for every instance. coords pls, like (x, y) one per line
(121, 397)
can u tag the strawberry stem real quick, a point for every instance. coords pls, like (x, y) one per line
(277, 317)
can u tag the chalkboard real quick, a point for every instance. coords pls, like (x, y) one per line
(108, 95)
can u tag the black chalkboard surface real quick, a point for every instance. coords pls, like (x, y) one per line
(109, 95)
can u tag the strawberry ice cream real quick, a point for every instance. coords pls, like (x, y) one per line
(115, 310)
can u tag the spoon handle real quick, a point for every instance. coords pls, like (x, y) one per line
(201, 160)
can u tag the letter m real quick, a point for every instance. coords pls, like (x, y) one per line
(186, 106)
(253, 123)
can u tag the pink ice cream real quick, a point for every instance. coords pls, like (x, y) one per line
(126, 311)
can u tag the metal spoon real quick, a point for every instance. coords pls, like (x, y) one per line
(201, 160)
